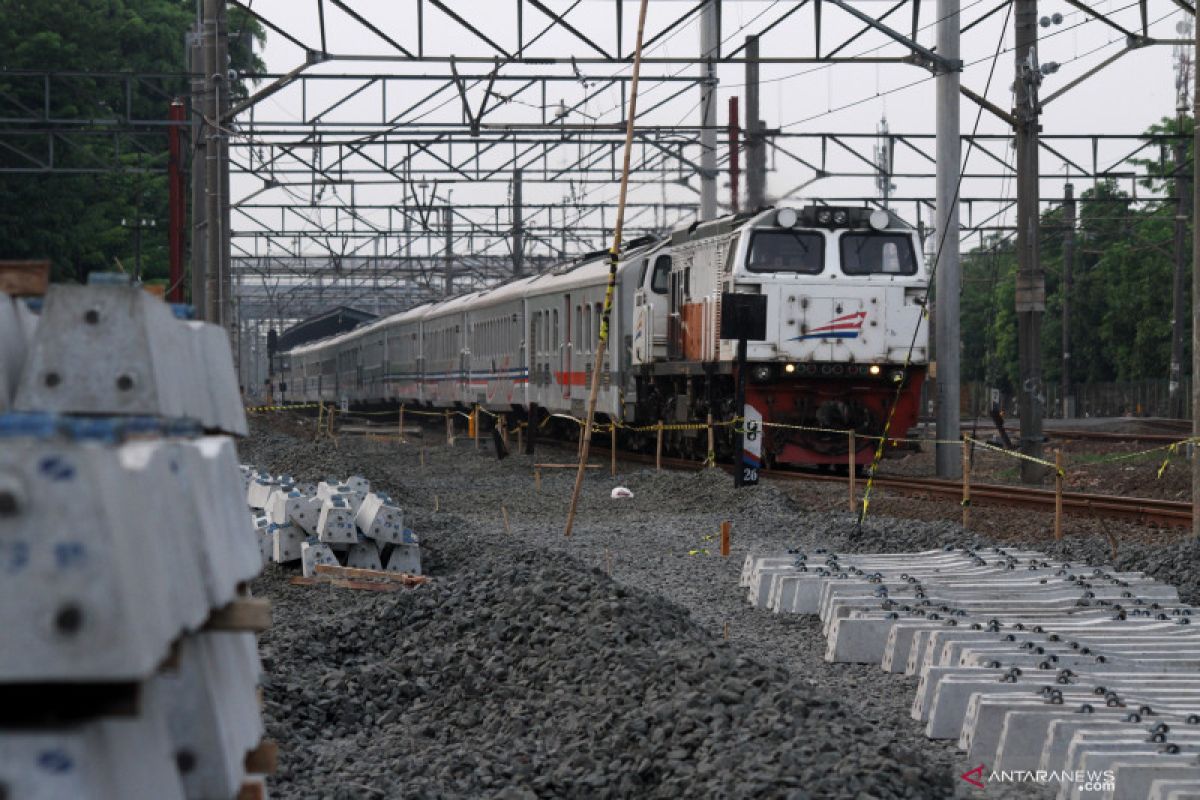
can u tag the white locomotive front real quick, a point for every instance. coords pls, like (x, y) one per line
(845, 290)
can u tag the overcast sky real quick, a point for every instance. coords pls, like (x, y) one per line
(1125, 98)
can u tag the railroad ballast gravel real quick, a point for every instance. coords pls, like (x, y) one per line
(538, 677)
(525, 668)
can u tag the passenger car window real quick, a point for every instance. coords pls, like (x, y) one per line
(878, 254)
(786, 251)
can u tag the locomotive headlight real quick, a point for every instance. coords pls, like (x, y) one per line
(874, 369)
(824, 216)
(840, 217)
(786, 217)
(789, 368)
(897, 375)
(761, 373)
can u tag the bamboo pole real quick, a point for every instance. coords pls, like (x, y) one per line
(475, 418)
(613, 257)
(320, 418)
(449, 430)
(852, 468)
(658, 448)
(711, 458)
(401, 431)
(966, 481)
(1058, 493)
(725, 526)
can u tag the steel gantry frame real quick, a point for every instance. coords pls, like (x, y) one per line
(498, 119)
(333, 183)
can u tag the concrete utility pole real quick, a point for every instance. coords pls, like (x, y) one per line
(1183, 211)
(1068, 402)
(756, 155)
(448, 253)
(199, 261)
(947, 344)
(218, 303)
(1031, 280)
(734, 144)
(1196, 297)
(710, 43)
(518, 234)
(884, 156)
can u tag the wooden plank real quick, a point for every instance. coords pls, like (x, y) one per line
(246, 614)
(355, 573)
(253, 789)
(343, 583)
(263, 759)
(24, 278)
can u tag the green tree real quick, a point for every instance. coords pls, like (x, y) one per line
(74, 218)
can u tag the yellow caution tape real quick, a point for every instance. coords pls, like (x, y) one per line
(1017, 454)
(259, 409)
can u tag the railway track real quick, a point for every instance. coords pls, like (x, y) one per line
(1167, 433)
(1141, 510)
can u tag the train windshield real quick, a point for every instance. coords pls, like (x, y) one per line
(878, 254)
(786, 251)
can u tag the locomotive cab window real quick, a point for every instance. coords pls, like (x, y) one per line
(786, 251)
(662, 273)
(878, 254)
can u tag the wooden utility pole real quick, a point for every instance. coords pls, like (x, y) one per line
(1031, 279)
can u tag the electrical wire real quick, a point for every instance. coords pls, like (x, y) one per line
(943, 235)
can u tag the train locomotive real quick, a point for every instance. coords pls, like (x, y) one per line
(845, 349)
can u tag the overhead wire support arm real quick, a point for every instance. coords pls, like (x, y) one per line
(987, 105)
(313, 57)
(926, 57)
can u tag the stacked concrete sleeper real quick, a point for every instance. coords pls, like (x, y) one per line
(334, 523)
(1028, 662)
(122, 528)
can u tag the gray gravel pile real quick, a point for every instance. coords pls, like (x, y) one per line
(662, 542)
(528, 673)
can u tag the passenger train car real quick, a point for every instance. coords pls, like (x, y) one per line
(845, 290)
